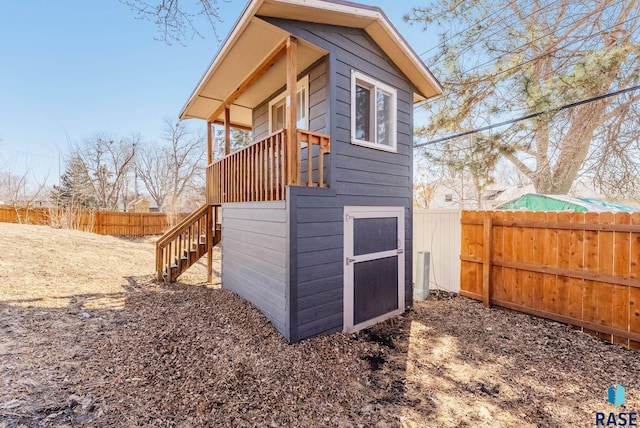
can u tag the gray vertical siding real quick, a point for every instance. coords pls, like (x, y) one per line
(255, 257)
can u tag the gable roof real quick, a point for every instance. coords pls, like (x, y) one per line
(252, 40)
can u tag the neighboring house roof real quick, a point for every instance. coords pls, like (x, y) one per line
(537, 202)
(252, 40)
(140, 200)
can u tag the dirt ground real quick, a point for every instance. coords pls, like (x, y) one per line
(88, 339)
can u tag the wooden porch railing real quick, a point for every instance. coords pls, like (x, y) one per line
(259, 172)
(186, 243)
(323, 142)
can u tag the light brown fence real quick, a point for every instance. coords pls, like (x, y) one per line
(102, 222)
(22, 215)
(578, 268)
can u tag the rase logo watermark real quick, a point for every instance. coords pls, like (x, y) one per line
(615, 396)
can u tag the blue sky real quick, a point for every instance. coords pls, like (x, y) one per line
(72, 68)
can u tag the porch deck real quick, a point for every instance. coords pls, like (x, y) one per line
(262, 170)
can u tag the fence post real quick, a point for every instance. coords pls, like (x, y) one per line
(486, 260)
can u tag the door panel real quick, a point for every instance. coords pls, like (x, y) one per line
(373, 235)
(375, 285)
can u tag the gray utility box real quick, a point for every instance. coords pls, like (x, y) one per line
(421, 290)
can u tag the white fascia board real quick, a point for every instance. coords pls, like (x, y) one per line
(242, 22)
(351, 9)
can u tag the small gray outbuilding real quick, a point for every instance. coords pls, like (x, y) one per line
(316, 214)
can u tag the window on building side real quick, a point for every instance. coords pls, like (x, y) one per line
(277, 108)
(373, 113)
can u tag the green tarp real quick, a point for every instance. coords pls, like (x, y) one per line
(536, 202)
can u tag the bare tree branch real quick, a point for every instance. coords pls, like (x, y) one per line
(21, 191)
(104, 162)
(169, 169)
(177, 22)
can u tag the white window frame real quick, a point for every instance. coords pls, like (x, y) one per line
(302, 84)
(364, 80)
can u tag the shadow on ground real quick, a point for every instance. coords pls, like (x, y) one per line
(188, 355)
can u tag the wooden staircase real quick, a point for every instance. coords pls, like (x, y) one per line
(187, 242)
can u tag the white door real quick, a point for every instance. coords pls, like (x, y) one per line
(373, 265)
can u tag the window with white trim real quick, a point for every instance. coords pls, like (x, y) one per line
(278, 107)
(373, 113)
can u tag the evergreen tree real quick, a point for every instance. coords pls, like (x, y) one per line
(517, 57)
(75, 188)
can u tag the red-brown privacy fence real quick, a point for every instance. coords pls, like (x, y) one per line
(578, 268)
(102, 222)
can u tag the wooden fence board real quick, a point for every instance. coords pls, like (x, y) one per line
(508, 274)
(605, 256)
(564, 253)
(528, 285)
(604, 299)
(620, 311)
(499, 290)
(550, 258)
(576, 262)
(538, 248)
(614, 255)
(487, 257)
(476, 251)
(590, 294)
(518, 256)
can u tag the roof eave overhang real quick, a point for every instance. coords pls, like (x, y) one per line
(336, 12)
(240, 25)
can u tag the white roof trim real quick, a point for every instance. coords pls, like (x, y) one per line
(379, 22)
(240, 25)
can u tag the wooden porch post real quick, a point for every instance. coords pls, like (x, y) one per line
(293, 152)
(209, 144)
(227, 130)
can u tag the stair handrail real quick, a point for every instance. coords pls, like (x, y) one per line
(179, 228)
(173, 242)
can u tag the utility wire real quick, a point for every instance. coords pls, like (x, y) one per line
(459, 33)
(500, 29)
(529, 116)
(539, 57)
(521, 48)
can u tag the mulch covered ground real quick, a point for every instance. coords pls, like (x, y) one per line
(135, 353)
